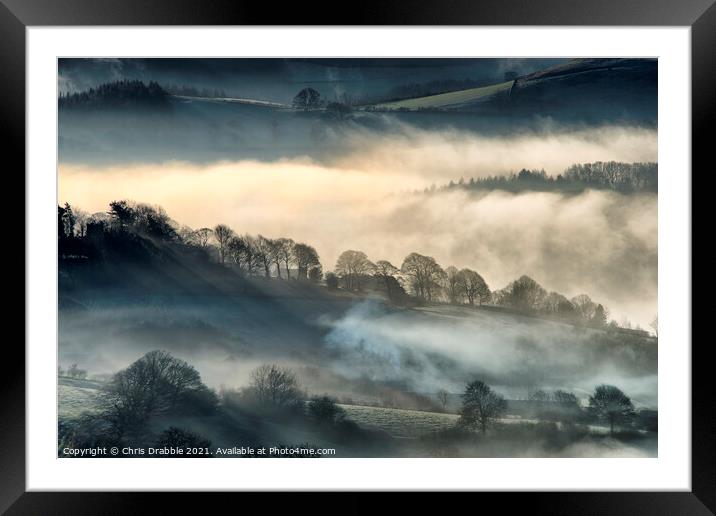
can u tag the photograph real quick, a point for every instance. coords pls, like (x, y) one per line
(357, 257)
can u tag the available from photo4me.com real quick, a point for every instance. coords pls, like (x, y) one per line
(330, 258)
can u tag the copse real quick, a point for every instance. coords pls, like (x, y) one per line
(155, 384)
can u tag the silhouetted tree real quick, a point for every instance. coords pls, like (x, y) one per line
(202, 236)
(315, 273)
(306, 258)
(352, 267)
(154, 384)
(275, 387)
(246, 254)
(424, 273)
(68, 221)
(611, 404)
(223, 235)
(480, 406)
(473, 286)
(265, 249)
(452, 284)
(387, 275)
(306, 99)
(284, 254)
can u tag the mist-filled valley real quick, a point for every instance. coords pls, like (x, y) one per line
(457, 267)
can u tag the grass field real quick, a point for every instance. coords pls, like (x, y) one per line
(75, 397)
(399, 422)
(446, 100)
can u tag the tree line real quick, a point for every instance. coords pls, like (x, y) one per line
(418, 279)
(117, 94)
(609, 175)
(426, 280)
(248, 254)
(482, 406)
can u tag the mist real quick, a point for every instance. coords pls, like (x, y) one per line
(443, 349)
(598, 242)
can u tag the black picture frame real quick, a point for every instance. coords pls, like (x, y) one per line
(17, 15)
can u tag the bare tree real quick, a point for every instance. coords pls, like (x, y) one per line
(284, 254)
(81, 220)
(306, 258)
(585, 307)
(424, 273)
(244, 251)
(443, 397)
(265, 249)
(452, 284)
(223, 235)
(352, 267)
(473, 286)
(202, 236)
(275, 386)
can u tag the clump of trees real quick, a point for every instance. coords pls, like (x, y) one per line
(125, 220)
(427, 281)
(154, 387)
(117, 94)
(611, 175)
(527, 296)
(283, 258)
(156, 384)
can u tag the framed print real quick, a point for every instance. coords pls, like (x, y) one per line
(411, 257)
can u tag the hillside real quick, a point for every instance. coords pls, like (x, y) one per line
(595, 88)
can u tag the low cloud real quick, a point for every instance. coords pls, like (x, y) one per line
(598, 242)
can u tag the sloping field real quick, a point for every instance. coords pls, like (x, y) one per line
(452, 99)
(400, 422)
(75, 397)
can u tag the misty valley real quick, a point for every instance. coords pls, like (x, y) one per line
(204, 336)
(446, 258)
